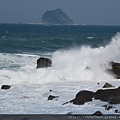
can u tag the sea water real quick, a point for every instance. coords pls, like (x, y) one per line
(80, 56)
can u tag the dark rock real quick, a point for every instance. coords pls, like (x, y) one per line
(5, 87)
(24, 97)
(111, 96)
(115, 69)
(82, 97)
(87, 68)
(108, 107)
(97, 113)
(69, 113)
(107, 95)
(114, 100)
(56, 16)
(117, 111)
(43, 62)
(107, 85)
(51, 97)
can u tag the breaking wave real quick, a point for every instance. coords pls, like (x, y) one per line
(76, 64)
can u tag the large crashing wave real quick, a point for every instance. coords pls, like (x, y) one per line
(76, 64)
(72, 63)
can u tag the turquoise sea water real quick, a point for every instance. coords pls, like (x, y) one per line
(18, 38)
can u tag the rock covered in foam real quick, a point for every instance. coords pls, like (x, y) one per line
(82, 97)
(51, 97)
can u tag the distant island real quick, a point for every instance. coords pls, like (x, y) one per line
(57, 17)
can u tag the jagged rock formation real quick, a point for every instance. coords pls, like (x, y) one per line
(107, 85)
(112, 96)
(56, 16)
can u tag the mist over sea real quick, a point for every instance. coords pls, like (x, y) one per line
(72, 49)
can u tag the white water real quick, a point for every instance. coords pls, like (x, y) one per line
(68, 65)
(67, 76)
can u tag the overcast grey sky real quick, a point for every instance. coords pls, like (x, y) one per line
(92, 12)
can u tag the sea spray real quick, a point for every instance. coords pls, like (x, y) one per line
(76, 64)
(73, 63)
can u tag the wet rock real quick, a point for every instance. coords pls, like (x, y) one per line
(117, 111)
(108, 107)
(82, 97)
(115, 69)
(114, 100)
(43, 62)
(69, 113)
(5, 87)
(107, 85)
(50, 90)
(107, 95)
(111, 96)
(51, 97)
(97, 113)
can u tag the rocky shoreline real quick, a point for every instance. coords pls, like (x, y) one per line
(111, 96)
(108, 93)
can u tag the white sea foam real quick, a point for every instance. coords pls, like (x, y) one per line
(72, 64)
(72, 70)
(76, 64)
(90, 37)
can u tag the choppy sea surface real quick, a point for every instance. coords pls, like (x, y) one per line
(72, 49)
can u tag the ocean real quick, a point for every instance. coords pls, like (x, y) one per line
(72, 49)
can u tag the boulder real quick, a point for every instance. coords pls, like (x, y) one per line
(82, 97)
(115, 69)
(108, 107)
(107, 85)
(107, 95)
(114, 100)
(97, 113)
(5, 87)
(117, 111)
(43, 62)
(51, 97)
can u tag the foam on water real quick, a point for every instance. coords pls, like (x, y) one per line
(76, 64)
(72, 63)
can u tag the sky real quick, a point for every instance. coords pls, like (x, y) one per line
(89, 12)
